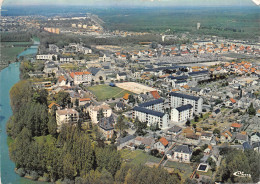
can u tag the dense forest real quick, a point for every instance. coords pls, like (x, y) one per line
(15, 37)
(73, 155)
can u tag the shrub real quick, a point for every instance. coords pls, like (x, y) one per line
(21, 172)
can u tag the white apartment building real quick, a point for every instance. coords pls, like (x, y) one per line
(45, 57)
(182, 113)
(155, 105)
(94, 111)
(151, 117)
(66, 116)
(179, 99)
(81, 77)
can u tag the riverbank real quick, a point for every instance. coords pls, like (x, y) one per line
(8, 77)
(11, 51)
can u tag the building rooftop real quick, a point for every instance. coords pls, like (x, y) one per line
(184, 107)
(153, 102)
(180, 95)
(148, 111)
(183, 149)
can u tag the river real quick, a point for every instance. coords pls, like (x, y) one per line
(8, 77)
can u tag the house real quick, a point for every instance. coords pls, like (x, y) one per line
(53, 106)
(179, 99)
(66, 116)
(226, 136)
(206, 136)
(120, 106)
(126, 97)
(46, 57)
(151, 117)
(230, 102)
(95, 110)
(241, 138)
(235, 127)
(106, 126)
(155, 94)
(175, 130)
(84, 101)
(182, 113)
(125, 141)
(50, 67)
(81, 77)
(62, 81)
(256, 146)
(104, 59)
(258, 113)
(161, 145)
(255, 137)
(121, 76)
(182, 153)
(148, 142)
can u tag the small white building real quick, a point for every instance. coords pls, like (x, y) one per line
(45, 57)
(182, 153)
(182, 114)
(121, 76)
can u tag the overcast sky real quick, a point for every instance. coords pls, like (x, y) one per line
(132, 2)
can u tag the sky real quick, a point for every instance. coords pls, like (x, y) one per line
(132, 2)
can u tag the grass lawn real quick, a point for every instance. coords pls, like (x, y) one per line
(209, 173)
(103, 92)
(185, 170)
(137, 157)
(205, 116)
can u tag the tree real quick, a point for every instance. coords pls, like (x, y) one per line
(196, 119)
(121, 125)
(63, 98)
(52, 125)
(216, 131)
(251, 110)
(187, 123)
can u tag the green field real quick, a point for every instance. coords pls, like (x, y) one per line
(138, 157)
(104, 92)
(9, 53)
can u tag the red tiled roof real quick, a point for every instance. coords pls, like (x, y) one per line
(52, 104)
(72, 74)
(155, 94)
(84, 99)
(236, 125)
(164, 141)
(126, 96)
(232, 100)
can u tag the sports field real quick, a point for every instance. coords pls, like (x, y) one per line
(104, 92)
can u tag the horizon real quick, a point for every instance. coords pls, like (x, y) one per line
(133, 3)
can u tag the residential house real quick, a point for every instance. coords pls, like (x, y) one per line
(120, 106)
(125, 141)
(206, 136)
(182, 153)
(106, 126)
(255, 137)
(121, 76)
(148, 142)
(235, 127)
(53, 106)
(84, 101)
(241, 138)
(175, 130)
(225, 136)
(161, 145)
